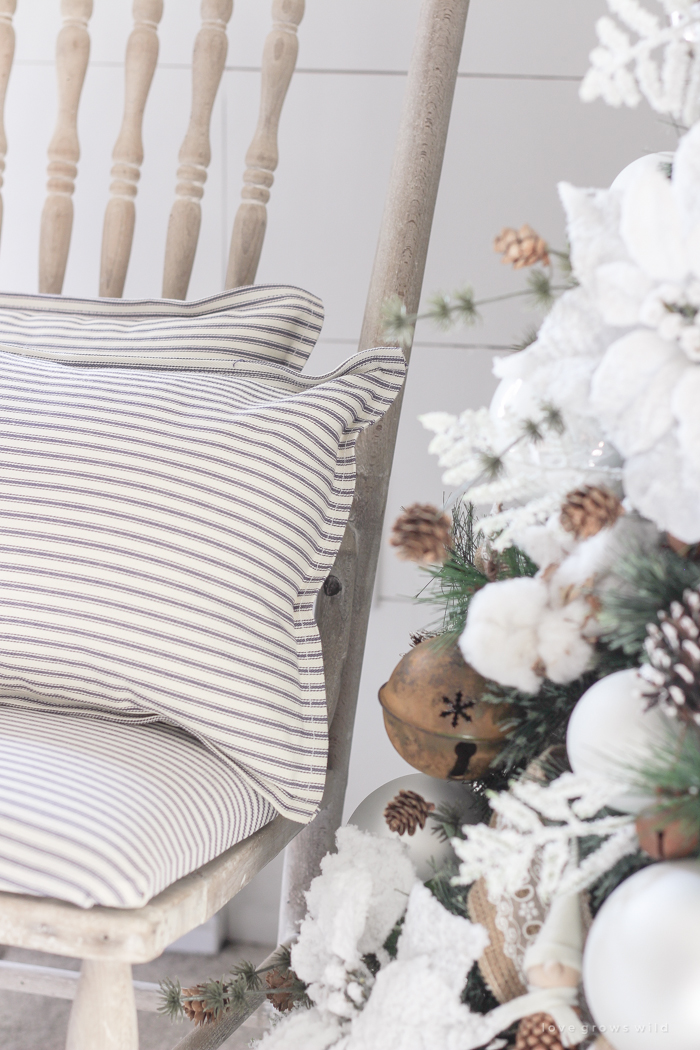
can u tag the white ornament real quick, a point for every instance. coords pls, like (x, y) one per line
(641, 964)
(611, 733)
(425, 849)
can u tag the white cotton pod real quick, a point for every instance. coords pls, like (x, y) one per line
(547, 544)
(500, 638)
(561, 646)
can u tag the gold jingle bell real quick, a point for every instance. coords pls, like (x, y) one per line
(434, 717)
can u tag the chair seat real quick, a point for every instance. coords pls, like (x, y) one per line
(98, 812)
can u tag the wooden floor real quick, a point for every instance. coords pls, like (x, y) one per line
(33, 1022)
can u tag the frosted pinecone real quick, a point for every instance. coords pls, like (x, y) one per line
(673, 649)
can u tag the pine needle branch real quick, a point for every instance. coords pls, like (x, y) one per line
(247, 973)
(644, 582)
(672, 776)
(528, 338)
(493, 463)
(171, 999)
(452, 585)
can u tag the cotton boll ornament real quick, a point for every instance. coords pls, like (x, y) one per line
(517, 638)
(401, 810)
(641, 963)
(612, 731)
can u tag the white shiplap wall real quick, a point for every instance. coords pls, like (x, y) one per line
(517, 129)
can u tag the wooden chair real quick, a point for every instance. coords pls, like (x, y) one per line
(107, 940)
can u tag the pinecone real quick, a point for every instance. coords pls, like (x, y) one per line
(588, 510)
(673, 648)
(422, 534)
(424, 635)
(521, 248)
(282, 1000)
(407, 811)
(194, 1008)
(538, 1032)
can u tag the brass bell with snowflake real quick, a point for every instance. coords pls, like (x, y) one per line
(435, 717)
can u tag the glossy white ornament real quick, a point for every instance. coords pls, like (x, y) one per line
(641, 963)
(611, 733)
(426, 850)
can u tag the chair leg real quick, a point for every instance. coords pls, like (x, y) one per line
(103, 1016)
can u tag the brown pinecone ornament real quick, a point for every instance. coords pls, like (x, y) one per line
(281, 1000)
(521, 248)
(673, 648)
(538, 1032)
(422, 534)
(407, 811)
(588, 510)
(194, 1008)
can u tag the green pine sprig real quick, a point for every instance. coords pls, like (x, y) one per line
(643, 583)
(232, 992)
(672, 776)
(452, 585)
(537, 721)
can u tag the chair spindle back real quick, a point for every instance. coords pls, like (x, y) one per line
(208, 64)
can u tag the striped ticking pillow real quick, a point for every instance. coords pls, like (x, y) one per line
(95, 812)
(163, 536)
(275, 323)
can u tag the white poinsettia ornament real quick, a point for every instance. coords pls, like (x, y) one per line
(644, 280)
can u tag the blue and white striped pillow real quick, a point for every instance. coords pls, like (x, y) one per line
(163, 536)
(274, 323)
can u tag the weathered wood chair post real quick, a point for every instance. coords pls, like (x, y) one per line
(72, 54)
(344, 603)
(7, 53)
(208, 60)
(279, 59)
(127, 156)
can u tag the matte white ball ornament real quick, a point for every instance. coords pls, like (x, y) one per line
(611, 733)
(641, 963)
(425, 849)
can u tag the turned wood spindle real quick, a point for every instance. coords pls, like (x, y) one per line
(127, 156)
(7, 52)
(208, 60)
(72, 54)
(279, 59)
